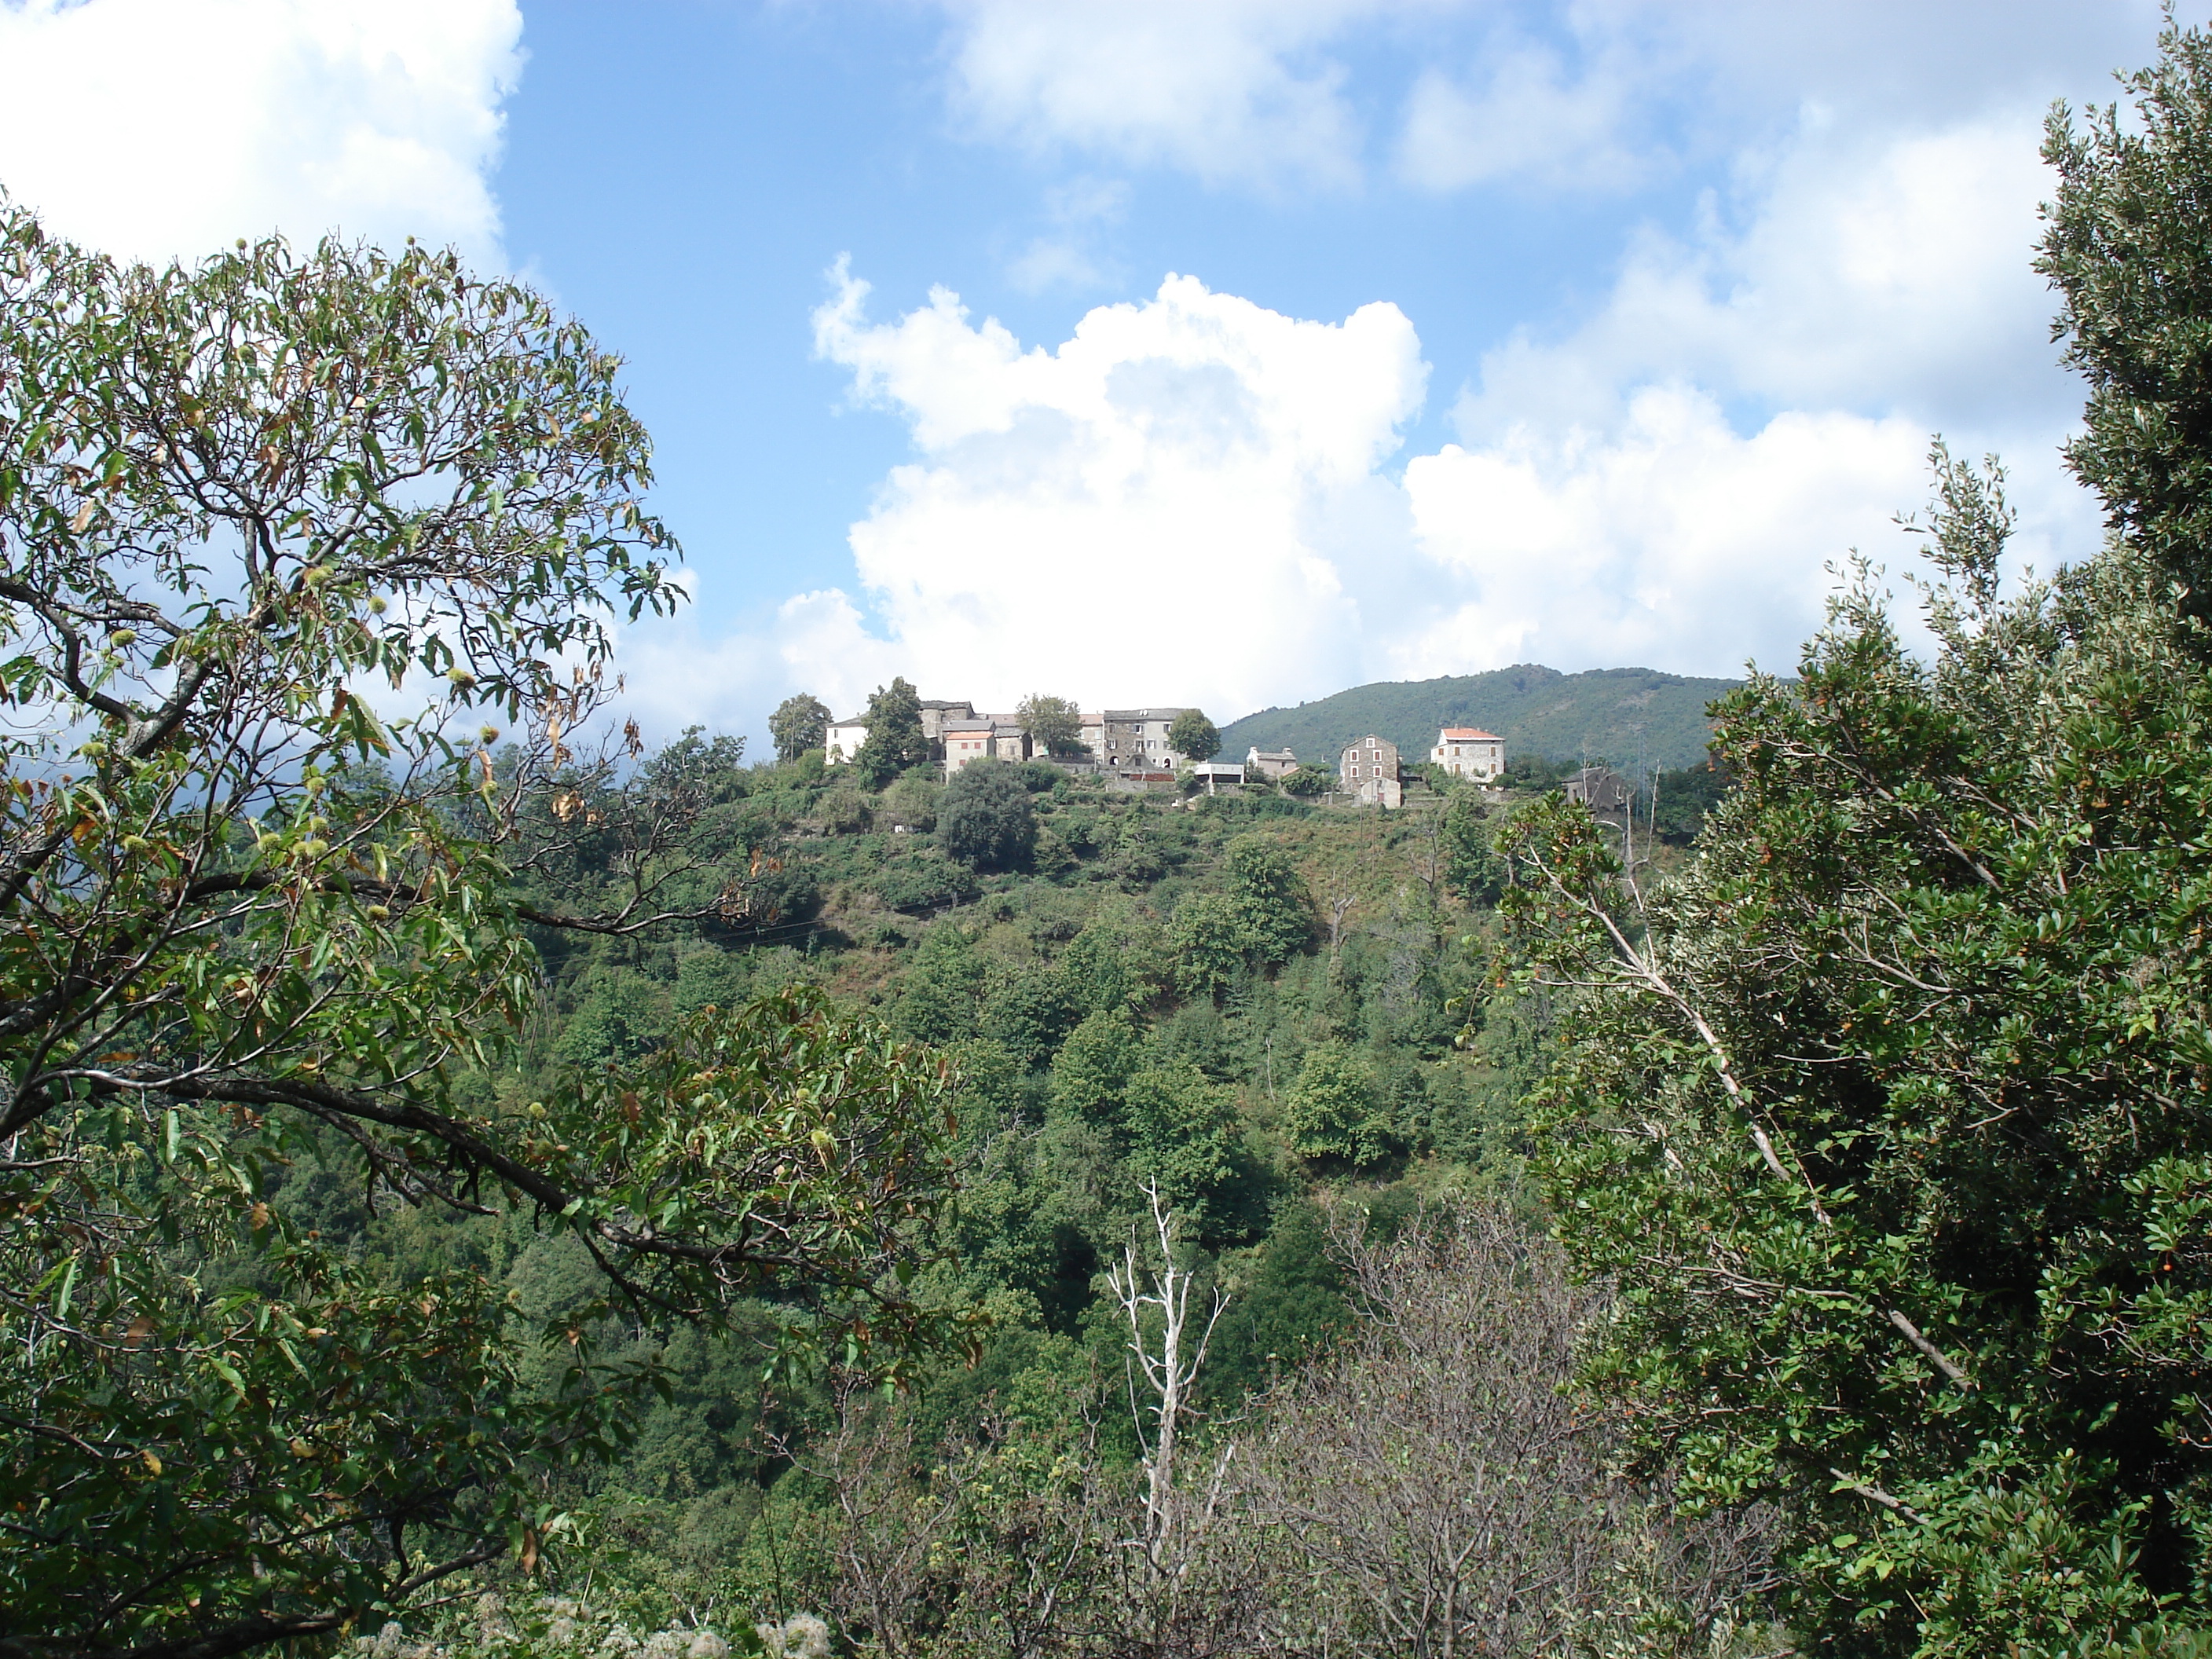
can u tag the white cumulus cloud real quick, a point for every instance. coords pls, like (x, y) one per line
(1233, 91)
(1663, 482)
(1888, 273)
(161, 128)
(1192, 499)
(1672, 542)
(1556, 95)
(1181, 503)
(676, 674)
(1189, 501)
(1528, 121)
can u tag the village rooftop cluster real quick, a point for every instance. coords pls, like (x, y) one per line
(1130, 749)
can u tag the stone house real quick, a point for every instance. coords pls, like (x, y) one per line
(1465, 752)
(1368, 771)
(968, 740)
(1273, 764)
(846, 736)
(1602, 789)
(1120, 739)
(935, 712)
(1136, 739)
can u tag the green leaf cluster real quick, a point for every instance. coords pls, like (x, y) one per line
(800, 723)
(268, 953)
(985, 817)
(1891, 1118)
(894, 740)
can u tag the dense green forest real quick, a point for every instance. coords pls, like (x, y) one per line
(1633, 718)
(1257, 1007)
(1281, 1021)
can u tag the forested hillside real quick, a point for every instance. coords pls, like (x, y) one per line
(1278, 1017)
(1630, 717)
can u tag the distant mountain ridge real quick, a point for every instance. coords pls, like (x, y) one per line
(1617, 714)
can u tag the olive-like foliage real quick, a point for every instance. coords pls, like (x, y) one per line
(986, 818)
(253, 925)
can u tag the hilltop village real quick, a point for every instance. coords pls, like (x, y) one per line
(1135, 750)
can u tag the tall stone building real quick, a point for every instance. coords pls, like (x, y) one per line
(1136, 740)
(1368, 771)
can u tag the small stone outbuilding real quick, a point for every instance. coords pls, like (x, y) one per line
(1602, 789)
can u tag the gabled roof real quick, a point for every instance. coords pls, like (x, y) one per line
(1466, 734)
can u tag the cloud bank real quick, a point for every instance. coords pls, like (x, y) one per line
(1669, 542)
(155, 129)
(1194, 499)
(1186, 494)
(1197, 499)
(1286, 94)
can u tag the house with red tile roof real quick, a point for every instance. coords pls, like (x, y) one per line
(1465, 752)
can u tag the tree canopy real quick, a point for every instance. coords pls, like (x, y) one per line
(985, 817)
(800, 722)
(251, 929)
(1891, 1119)
(1054, 722)
(2124, 246)
(1333, 1110)
(1472, 870)
(895, 739)
(1193, 735)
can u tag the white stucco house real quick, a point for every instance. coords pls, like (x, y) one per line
(844, 740)
(1467, 752)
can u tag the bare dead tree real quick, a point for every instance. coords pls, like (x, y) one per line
(1169, 1361)
(1440, 1492)
(890, 1521)
(1431, 1488)
(1423, 849)
(1339, 906)
(1011, 1542)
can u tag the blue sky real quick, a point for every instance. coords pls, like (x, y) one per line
(757, 144)
(1585, 333)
